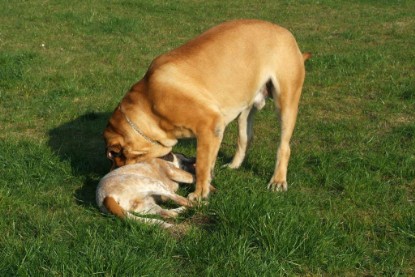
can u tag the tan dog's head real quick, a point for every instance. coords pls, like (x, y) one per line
(125, 146)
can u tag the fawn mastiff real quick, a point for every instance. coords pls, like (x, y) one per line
(197, 89)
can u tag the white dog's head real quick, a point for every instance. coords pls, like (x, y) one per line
(181, 161)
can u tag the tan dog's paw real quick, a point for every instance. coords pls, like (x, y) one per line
(194, 197)
(212, 188)
(277, 186)
(197, 200)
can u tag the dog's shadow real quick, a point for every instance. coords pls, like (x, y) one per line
(80, 142)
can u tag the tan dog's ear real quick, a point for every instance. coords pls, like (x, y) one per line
(137, 153)
(114, 151)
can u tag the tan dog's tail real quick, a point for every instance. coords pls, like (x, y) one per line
(114, 208)
(306, 56)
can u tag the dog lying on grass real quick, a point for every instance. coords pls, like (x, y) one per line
(140, 187)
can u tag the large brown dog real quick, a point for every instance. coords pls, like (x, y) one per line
(198, 88)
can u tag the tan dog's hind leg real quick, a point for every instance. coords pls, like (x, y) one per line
(287, 102)
(245, 133)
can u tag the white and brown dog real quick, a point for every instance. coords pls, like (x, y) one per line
(138, 188)
(197, 89)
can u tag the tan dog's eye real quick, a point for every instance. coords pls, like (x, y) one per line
(113, 154)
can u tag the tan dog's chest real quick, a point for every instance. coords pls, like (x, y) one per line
(181, 132)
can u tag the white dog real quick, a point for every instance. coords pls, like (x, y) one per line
(139, 187)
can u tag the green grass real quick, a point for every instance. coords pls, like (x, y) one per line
(349, 209)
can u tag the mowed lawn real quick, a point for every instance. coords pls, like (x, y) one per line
(349, 209)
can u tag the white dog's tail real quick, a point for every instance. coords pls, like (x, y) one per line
(114, 208)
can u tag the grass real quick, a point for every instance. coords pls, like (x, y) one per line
(349, 209)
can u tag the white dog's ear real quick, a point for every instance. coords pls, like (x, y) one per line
(170, 157)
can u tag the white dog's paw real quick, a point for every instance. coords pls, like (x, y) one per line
(169, 213)
(277, 186)
(231, 165)
(179, 210)
(166, 225)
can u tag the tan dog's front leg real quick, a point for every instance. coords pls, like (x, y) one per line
(208, 143)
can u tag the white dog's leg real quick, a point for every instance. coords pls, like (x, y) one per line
(179, 210)
(178, 199)
(167, 213)
(179, 175)
(152, 221)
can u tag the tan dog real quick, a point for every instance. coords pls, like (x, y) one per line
(198, 88)
(138, 187)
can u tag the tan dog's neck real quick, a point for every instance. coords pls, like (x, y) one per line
(149, 123)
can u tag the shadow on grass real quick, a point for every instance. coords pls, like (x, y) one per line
(81, 143)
